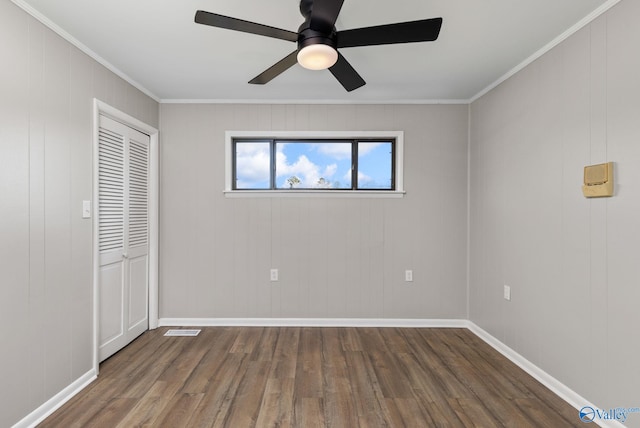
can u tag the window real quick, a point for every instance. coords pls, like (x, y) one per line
(314, 162)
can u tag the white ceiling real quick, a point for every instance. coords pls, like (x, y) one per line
(158, 47)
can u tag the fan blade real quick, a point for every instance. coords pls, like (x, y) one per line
(276, 69)
(221, 21)
(324, 14)
(346, 74)
(426, 30)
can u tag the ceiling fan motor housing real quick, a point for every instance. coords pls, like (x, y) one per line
(307, 37)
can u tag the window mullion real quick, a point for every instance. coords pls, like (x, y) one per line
(354, 164)
(393, 164)
(234, 167)
(273, 164)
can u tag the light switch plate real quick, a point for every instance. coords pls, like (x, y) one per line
(86, 209)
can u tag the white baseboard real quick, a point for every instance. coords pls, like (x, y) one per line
(312, 322)
(560, 389)
(53, 404)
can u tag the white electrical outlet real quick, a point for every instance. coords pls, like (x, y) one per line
(408, 275)
(507, 292)
(274, 274)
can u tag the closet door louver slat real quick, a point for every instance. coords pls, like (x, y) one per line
(111, 190)
(138, 194)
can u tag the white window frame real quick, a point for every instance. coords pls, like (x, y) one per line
(398, 136)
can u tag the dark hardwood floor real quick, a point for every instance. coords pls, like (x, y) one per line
(313, 377)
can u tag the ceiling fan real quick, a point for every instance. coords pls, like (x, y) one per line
(318, 39)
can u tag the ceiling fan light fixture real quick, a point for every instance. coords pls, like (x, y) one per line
(318, 39)
(317, 56)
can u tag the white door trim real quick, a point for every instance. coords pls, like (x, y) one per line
(101, 108)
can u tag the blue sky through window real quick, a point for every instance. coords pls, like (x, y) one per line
(253, 164)
(375, 169)
(313, 164)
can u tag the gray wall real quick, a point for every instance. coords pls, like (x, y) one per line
(573, 264)
(46, 92)
(337, 257)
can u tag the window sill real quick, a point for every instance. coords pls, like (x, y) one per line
(377, 194)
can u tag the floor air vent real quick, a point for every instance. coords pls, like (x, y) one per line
(179, 332)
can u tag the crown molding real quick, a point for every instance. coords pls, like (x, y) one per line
(315, 101)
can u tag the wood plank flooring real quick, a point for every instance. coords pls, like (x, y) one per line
(313, 377)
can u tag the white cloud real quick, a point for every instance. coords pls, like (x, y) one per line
(307, 172)
(303, 168)
(330, 171)
(366, 148)
(363, 178)
(252, 159)
(337, 151)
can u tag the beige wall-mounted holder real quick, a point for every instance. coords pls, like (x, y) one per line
(598, 180)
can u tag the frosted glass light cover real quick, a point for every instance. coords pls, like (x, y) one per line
(317, 57)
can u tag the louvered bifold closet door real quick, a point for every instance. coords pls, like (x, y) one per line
(123, 230)
(138, 230)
